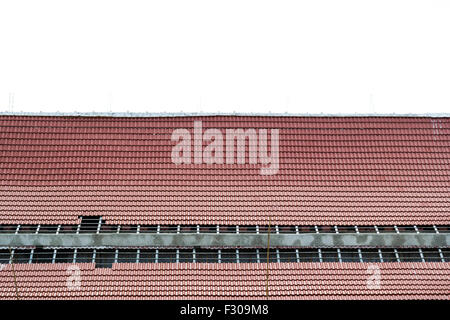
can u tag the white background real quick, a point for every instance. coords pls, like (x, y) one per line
(222, 56)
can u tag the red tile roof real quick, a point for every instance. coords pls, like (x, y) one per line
(333, 170)
(405, 280)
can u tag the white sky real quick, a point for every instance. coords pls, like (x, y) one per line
(315, 56)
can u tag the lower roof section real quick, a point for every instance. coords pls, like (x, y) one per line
(429, 280)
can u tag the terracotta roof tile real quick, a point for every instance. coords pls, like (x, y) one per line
(236, 281)
(333, 170)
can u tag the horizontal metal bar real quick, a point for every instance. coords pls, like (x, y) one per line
(317, 240)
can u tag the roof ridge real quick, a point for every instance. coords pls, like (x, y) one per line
(238, 114)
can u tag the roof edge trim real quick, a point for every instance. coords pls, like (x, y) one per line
(197, 114)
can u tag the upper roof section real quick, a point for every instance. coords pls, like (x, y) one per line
(182, 170)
